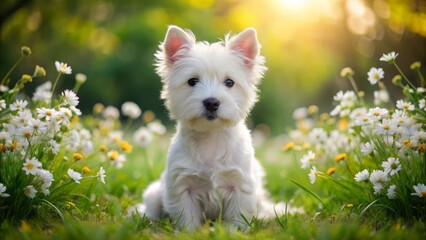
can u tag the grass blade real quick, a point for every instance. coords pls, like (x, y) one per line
(308, 191)
(55, 208)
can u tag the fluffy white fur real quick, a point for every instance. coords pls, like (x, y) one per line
(211, 169)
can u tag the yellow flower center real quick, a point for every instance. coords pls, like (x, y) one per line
(376, 113)
(407, 142)
(30, 166)
(27, 134)
(386, 127)
(423, 194)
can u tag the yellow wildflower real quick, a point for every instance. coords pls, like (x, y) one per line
(349, 205)
(288, 146)
(342, 124)
(341, 157)
(25, 226)
(331, 170)
(103, 148)
(86, 169)
(112, 155)
(126, 146)
(77, 156)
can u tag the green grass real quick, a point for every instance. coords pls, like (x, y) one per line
(100, 215)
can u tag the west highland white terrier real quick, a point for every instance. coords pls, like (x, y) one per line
(211, 172)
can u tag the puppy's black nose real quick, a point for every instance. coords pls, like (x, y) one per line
(211, 104)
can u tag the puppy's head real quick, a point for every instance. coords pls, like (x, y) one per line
(209, 86)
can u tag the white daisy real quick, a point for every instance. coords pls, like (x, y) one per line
(142, 137)
(377, 188)
(131, 110)
(45, 176)
(390, 57)
(54, 146)
(401, 104)
(348, 99)
(31, 166)
(391, 166)
(422, 104)
(391, 192)
(46, 113)
(74, 175)
(380, 97)
(3, 191)
(420, 190)
(313, 175)
(2, 104)
(362, 176)
(375, 75)
(63, 68)
(111, 112)
(156, 127)
(70, 98)
(367, 148)
(300, 113)
(377, 113)
(386, 127)
(30, 191)
(317, 135)
(307, 160)
(18, 105)
(378, 177)
(101, 175)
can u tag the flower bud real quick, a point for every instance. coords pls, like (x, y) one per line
(406, 91)
(80, 78)
(98, 108)
(26, 78)
(39, 71)
(415, 66)
(313, 109)
(361, 94)
(397, 80)
(346, 72)
(25, 51)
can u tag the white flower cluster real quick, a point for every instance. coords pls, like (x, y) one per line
(394, 139)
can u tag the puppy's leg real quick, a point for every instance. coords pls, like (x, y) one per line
(184, 200)
(238, 194)
(152, 200)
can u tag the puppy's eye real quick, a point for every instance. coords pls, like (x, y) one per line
(229, 83)
(192, 82)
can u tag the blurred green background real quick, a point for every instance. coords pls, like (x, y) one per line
(306, 44)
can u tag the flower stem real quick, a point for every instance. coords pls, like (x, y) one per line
(422, 79)
(351, 79)
(403, 75)
(3, 81)
(54, 86)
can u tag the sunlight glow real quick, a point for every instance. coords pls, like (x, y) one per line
(297, 6)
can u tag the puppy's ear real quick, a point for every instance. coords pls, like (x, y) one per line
(247, 44)
(176, 40)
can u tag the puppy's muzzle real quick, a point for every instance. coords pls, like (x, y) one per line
(211, 106)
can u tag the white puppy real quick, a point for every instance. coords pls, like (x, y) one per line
(211, 170)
